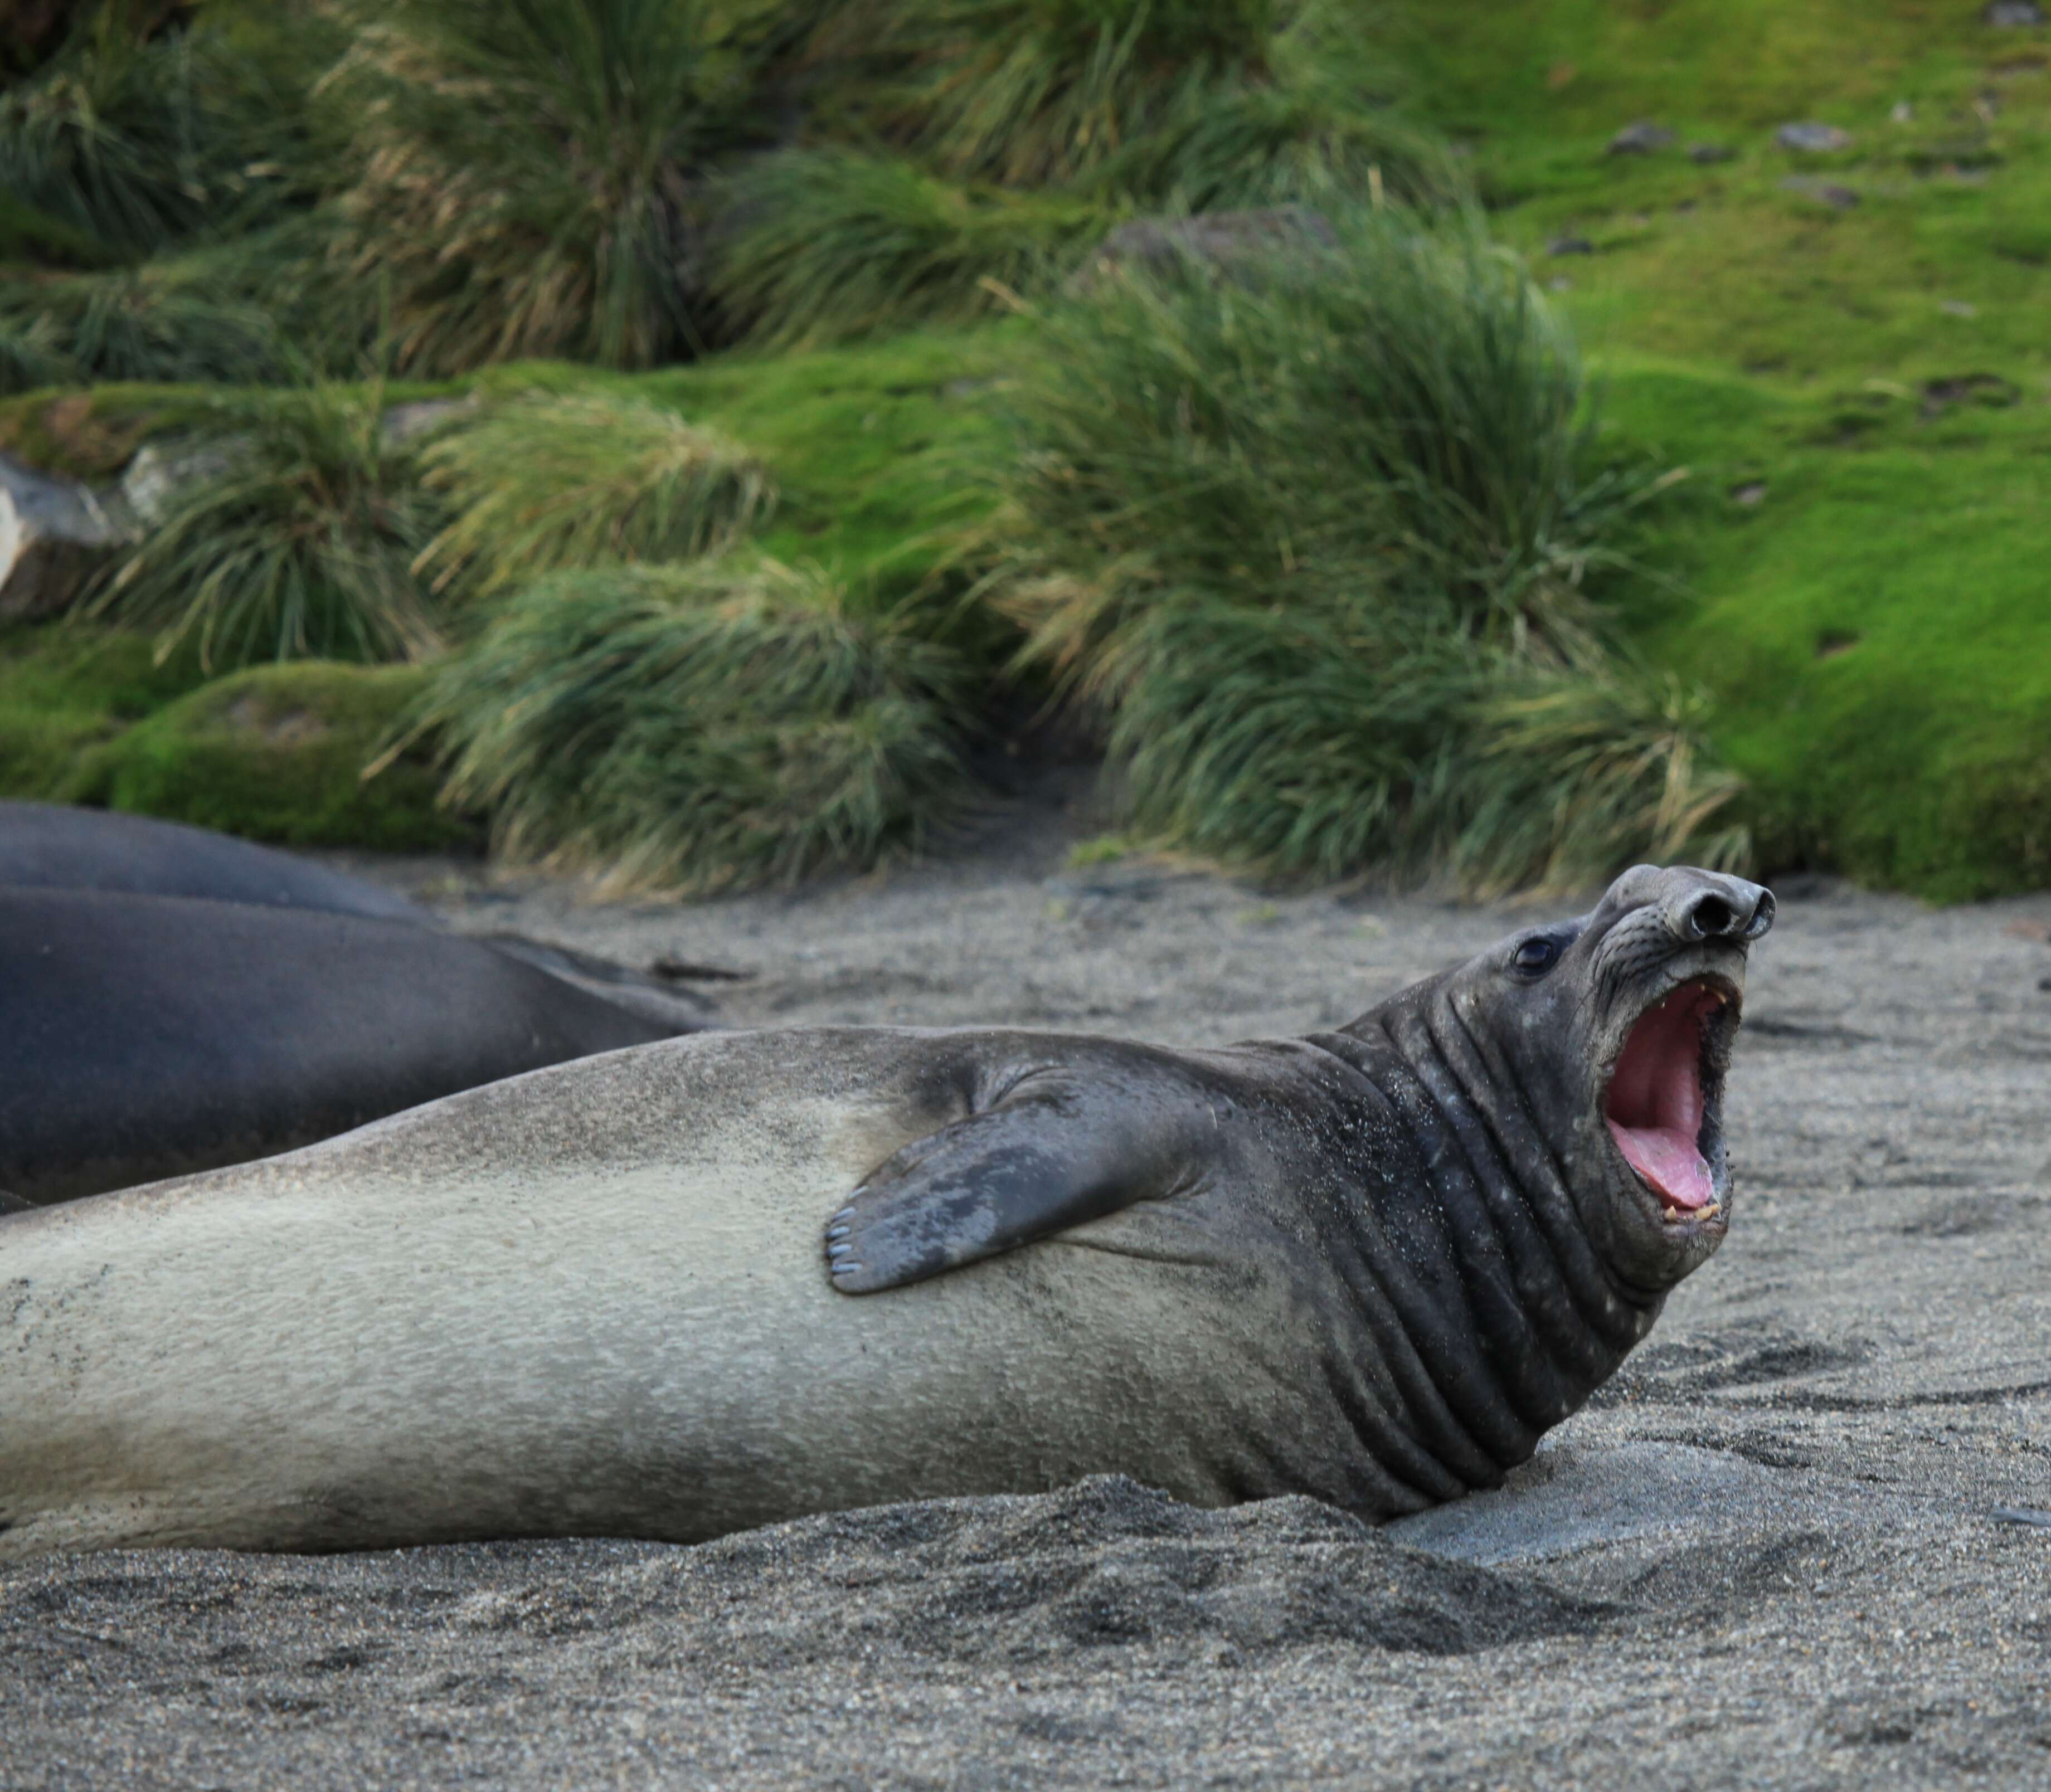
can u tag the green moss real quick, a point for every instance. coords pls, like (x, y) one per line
(1722, 261)
(65, 689)
(83, 435)
(277, 753)
(1867, 606)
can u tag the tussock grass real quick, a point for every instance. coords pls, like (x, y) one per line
(1022, 93)
(1304, 743)
(1579, 773)
(113, 135)
(701, 727)
(542, 481)
(831, 245)
(983, 145)
(32, 352)
(1309, 136)
(140, 138)
(1214, 103)
(297, 542)
(1297, 528)
(1398, 411)
(524, 173)
(169, 321)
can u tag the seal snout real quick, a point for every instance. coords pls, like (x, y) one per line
(1704, 905)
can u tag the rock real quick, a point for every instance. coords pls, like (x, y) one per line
(2014, 12)
(1957, 308)
(1220, 239)
(161, 469)
(1640, 138)
(1570, 245)
(1753, 492)
(1988, 389)
(1903, 113)
(1811, 138)
(1827, 193)
(1706, 153)
(54, 535)
(402, 423)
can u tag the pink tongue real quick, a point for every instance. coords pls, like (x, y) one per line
(1666, 1157)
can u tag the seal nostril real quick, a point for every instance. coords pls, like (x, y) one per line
(1711, 914)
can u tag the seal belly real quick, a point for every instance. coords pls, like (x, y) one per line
(591, 1300)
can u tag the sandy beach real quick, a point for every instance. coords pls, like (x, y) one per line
(1802, 1539)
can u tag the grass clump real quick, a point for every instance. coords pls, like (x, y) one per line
(700, 728)
(295, 540)
(1306, 741)
(1398, 409)
(542, 481)
(115, 135)
(1030, 92)
(962, 151)
(524, 173)
(1579, 773)
(1223, 102)
(171, 321)
(834, 244)
(31, 353)
(1296, 531)
(147, 130)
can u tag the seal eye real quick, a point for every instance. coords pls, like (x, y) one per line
(1534, 956)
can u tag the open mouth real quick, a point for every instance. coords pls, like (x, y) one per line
(1660, 1110)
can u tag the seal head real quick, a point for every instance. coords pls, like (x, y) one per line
(1617, 1029)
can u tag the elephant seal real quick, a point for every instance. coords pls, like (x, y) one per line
(172, 1000)
(147, 1036)
(632, 1296)
(48, 846)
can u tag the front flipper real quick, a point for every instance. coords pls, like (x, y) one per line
(1060, 1147)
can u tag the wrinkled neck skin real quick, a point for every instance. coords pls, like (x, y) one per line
(1442, 1186)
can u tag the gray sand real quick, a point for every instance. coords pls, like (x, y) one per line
(1771, 1553)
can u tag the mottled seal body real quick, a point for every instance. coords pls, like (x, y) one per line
(172, 1000)
(1371, 1265)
